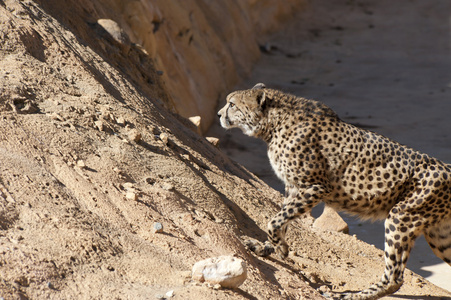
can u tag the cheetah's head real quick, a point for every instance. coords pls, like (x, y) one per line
(244, 110)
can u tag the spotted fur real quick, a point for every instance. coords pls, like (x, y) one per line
(321, 158)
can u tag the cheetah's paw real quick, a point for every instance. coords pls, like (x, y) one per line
(282, 250)
(259, 248)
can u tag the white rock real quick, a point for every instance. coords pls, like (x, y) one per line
(228, 271)
(157, 227)
(167, 186)
(214, 141)
(81, 164)
(164, 138)
(117, 33)
(131, 196)
(56, 117)
(127, 185)
(170, 294)
(196, 121)
(99, 125)
(120, 121)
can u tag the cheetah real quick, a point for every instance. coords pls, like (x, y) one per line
(319, 157)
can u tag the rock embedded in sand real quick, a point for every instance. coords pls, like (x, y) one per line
(196, 120)
(164, 138)
(131, 196)
(117, 33)
(212, 140)
(331, 220)
(228, 271)
(127, 185)
(81, 164)
(157, 227)
(99, 125)
(169, 294)
(121, 121)
(135, 135)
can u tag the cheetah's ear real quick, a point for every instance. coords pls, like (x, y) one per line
(259, 86)
(261, 98)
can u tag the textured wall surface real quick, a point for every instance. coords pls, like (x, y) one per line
(203, 47)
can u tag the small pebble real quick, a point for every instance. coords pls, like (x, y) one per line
(56, 117)
(135, 136)
(120, 121)
(158, 227)
(212, 140)
(99, 125)
(170, 294)
(164, 138)
(167, 186)
(117, 33)
(131, 196)
(196, 121)
(128, 185)
(81, 164)
(324, 289)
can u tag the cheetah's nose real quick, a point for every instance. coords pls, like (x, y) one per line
(219, 114)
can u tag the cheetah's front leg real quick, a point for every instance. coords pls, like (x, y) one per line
(296, 204)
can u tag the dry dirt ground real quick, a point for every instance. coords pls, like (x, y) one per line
(90, 159)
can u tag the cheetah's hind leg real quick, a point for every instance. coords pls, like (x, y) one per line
(259, 248)
(439, 238)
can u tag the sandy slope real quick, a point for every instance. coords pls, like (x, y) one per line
(90, 158)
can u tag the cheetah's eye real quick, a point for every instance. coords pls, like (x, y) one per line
(231, 104)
